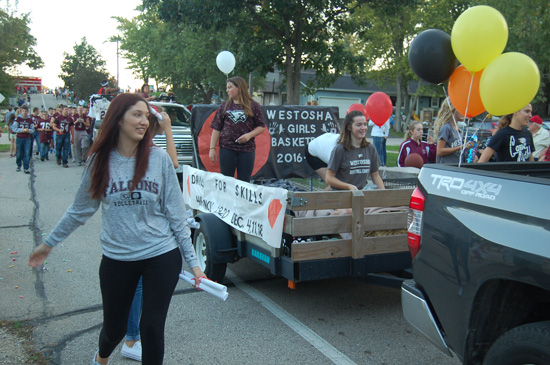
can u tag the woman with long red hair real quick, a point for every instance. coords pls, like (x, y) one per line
(144, 222)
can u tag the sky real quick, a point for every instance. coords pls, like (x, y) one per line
(58, 25)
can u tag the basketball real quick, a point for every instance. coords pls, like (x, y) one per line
(414, 160)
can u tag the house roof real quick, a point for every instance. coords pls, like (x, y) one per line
(343, 84)
(346, 83)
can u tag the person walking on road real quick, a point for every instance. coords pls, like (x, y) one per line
(23, 127)
(81, 125)
(143, 222)
(62, 124)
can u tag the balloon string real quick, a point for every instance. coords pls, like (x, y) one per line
(456, 125)
(469, 94)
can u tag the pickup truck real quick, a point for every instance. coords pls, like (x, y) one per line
(479, 236)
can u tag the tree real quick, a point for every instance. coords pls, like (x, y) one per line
(289, 34)
(83, 71)
(383, 32)
(180, 56)
(529, 33)
(16, 47)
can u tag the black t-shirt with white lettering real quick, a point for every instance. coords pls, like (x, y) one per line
(512, 145)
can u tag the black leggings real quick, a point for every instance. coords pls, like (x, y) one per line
(118, 280)
(242, 161)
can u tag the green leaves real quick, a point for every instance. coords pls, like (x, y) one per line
(83, 70)
(16, 47)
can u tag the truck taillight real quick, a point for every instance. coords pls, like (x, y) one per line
(414, 221)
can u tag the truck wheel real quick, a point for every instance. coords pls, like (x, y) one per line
(210, 231)
(526, 344)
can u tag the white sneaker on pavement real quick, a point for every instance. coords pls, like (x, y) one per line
(133, 352)
(94, 361)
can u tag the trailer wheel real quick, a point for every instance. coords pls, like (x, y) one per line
(526, 344)
(211, 231)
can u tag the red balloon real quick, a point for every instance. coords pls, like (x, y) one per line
(359, 107)
(379, 108)
(464, 84)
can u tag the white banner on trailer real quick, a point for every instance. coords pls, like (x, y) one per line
(253, 209)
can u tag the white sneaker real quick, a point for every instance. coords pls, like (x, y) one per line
(94, 361)
(133, 352)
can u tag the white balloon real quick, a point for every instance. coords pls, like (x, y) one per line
(225, 61)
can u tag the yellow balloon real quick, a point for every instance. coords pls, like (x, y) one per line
(509, 83)
(478, 36)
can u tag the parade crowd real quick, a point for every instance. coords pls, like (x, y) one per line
(65, 131)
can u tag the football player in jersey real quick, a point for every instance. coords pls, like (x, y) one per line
(62, 124)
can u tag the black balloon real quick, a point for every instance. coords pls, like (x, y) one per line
(431, 56)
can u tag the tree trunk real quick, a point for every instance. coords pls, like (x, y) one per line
(407, 100)
(414, 98)
(293, 63)
(397, 120)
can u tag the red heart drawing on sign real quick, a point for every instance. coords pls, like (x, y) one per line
(188, 185)
(273, 211)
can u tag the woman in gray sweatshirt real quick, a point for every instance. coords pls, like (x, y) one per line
(144, 221)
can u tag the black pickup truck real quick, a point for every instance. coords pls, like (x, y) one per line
(480, 240)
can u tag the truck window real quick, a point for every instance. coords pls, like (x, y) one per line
(178, 116)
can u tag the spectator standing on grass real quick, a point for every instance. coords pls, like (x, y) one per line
(123, 162)
(379, 136)
(541, 137)
(24, 128)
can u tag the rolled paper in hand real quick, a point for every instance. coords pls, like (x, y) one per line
(207, 282)
(217, 293)
(155, 113)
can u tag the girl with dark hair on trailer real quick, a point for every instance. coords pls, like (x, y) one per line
(235, 125)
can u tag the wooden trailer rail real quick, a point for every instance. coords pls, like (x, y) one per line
(357, 223)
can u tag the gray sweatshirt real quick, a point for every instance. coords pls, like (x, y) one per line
(147, 222)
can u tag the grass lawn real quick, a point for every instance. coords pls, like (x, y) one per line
(392, 155)
(4, 147)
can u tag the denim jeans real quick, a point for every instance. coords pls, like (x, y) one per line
(23, 148)
(132, 332)
(35, 138)
(44, 148)
(380, 145)
(63, 146)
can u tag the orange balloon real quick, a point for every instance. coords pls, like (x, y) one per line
(459, 89)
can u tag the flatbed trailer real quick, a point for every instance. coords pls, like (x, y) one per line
(377, 244)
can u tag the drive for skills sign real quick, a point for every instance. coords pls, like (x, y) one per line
(253, 209)
(280, 149)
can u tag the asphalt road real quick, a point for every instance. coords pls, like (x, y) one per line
(262, 322)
